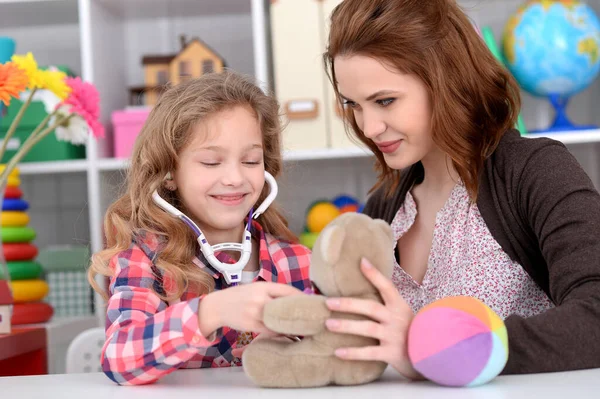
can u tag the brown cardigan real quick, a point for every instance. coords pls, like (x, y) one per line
(544, 211)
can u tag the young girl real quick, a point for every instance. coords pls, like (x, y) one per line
(476, 209)
(204, 149)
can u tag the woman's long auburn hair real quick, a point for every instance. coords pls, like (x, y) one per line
(166, 131)
(475, 100)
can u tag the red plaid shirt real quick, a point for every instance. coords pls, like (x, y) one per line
(147, 338)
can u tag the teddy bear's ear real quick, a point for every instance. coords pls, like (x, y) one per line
(385, 227)
(332, 239)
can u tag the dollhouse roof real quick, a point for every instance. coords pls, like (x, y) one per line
(157, 59)
(166, 59)
(5, 295)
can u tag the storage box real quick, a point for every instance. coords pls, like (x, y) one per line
(127, 124)
(48, 149)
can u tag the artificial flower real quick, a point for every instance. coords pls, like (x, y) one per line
(48, 98)
(12, 81)
(54, 80)
(72, 106)
(74, 130)
(85, 102)
(28, 64)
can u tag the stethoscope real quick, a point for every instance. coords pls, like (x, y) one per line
(231, 272)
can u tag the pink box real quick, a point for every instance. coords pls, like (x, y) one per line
(127, 125)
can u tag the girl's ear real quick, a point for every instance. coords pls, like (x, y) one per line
(170, 183)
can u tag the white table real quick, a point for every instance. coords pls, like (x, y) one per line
(233, 383)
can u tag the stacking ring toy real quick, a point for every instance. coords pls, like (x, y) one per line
(23, 270)
(13, 192)
(14, 172)
(14, 204)
(19, 251)
(29, 290)
(13, 181)
(31, 313)
(17, 234)
(14, 219)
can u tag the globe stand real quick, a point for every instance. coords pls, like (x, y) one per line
(561, 121)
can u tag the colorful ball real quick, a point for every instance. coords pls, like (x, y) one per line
(458, 341)
(320, 215)
(316, 202)
(308, 239)
(349, 208)
(342, 200)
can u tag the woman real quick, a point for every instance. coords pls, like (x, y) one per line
(476, 209)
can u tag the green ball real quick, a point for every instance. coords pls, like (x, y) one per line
(308, 239)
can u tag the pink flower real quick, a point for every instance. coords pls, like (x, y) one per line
(85, 102)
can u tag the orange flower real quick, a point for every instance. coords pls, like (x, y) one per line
(13, 81)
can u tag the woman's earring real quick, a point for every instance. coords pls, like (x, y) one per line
(169, 182)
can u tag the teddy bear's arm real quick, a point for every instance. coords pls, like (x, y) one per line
(296, 315)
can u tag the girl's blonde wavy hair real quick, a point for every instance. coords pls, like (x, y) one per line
(166, 131)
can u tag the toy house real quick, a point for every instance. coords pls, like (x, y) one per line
(194, 59)
(6, 301)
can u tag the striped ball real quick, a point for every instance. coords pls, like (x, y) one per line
(458, 341)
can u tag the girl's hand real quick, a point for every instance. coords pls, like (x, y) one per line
(390, 324)
(240, 307)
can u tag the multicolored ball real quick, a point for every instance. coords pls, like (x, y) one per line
(458, 341)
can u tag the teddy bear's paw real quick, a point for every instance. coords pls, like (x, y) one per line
(276, 364)
(357, 372)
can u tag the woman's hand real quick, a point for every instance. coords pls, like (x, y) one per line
(240, 307)
(390, 324)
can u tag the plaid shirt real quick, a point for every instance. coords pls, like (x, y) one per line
(148, 338)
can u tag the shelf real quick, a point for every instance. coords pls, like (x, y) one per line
(114, 164)
(567, 137)
(572, 137)
(110, 164)
(53, 167)
(325, 153)
(35, 13)
(147, 9)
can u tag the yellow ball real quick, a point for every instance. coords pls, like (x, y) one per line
(320, 215)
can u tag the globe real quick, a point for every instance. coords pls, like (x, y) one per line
(552, 49)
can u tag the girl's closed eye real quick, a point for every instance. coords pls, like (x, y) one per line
(210, 163)
(253, 162)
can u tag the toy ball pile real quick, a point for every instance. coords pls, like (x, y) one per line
(458, 341)
(321, 212)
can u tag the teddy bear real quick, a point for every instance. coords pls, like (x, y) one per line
(335, 272)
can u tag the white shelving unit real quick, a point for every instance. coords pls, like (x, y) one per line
(104, 41)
